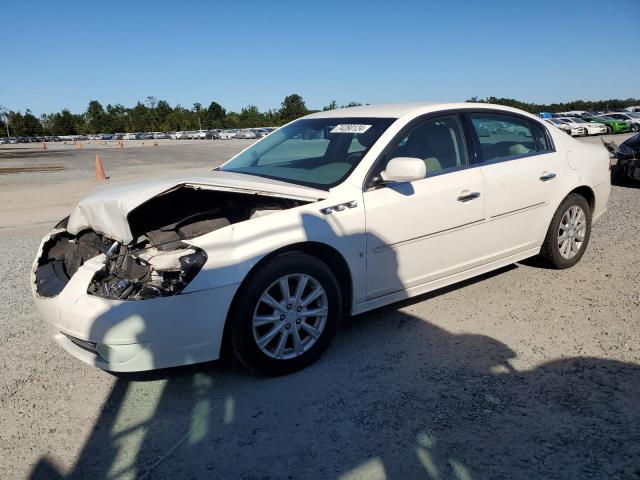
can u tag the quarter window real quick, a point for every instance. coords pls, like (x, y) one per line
(502, 136)
(541, 137)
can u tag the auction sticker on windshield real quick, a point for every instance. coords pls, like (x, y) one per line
(350, 128)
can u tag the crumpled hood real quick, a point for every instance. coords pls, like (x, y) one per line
(106, 211)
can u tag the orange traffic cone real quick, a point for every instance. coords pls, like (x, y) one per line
(100, 176)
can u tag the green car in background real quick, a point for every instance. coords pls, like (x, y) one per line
(613, 125)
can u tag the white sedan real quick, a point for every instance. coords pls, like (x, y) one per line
(572, 129)
(589, 127)
(336, 213)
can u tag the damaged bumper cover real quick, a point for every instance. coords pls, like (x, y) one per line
(131, 336)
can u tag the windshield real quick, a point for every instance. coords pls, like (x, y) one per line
(606, 119)
(556, 121)
(578, 120)
(318, 152)
(633, 115)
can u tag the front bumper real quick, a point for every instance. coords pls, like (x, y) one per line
(132, 336)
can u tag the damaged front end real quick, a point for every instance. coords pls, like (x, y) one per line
(130, 272)
(138, 273)
(159, 261)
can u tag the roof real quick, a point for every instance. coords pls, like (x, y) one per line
(389, 110)
(397, 110)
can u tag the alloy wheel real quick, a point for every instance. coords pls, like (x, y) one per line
(290, 316)
(571, 233)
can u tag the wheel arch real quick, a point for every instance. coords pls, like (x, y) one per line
(588, 194)
(322, 251)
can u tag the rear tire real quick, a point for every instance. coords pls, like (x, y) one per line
(568, 234)
(275, 333)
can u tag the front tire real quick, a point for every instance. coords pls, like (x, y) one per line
(286, 314)
(568, 234)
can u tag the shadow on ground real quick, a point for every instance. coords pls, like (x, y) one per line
(395, 397)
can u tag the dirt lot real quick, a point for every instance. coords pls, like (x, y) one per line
(524, 373)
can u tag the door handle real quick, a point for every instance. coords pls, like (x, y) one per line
(466, 197)
(547, 176)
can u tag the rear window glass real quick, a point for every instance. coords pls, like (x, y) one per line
(502, 136)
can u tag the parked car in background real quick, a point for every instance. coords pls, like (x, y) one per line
(633, 119)
(591, 128)
(247, 133)
(182, 135)
(613, 124)
(225, 135)
(573, 130)
(628, 155)
(276, 245)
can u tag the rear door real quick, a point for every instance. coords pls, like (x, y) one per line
(522, 177)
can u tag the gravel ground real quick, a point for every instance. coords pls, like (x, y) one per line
(523, 373)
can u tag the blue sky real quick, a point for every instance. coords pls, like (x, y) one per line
(63, 54)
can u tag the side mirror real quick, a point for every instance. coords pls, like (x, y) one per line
(404, 169)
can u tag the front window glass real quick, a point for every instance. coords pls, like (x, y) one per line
(578, 120)
(502, 136)
(437, 141)
(319, 152)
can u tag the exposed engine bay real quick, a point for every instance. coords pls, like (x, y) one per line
(157, 263)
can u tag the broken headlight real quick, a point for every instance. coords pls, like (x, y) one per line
(148, 273)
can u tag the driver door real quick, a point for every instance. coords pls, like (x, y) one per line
(424, 230)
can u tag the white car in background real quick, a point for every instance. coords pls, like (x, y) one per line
(633, 119)
(226, 135)
(573, 130)
(182, 135)
(247, 133)
(336, 213)
(590, 128)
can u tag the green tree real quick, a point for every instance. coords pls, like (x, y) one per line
(96, 117)
(163, 110)
(250, 117)
(293, 107)
(214, 116)
(332, 106)
(64, 123)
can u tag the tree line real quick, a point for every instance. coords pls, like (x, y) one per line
(154, 115)
(582, 105)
